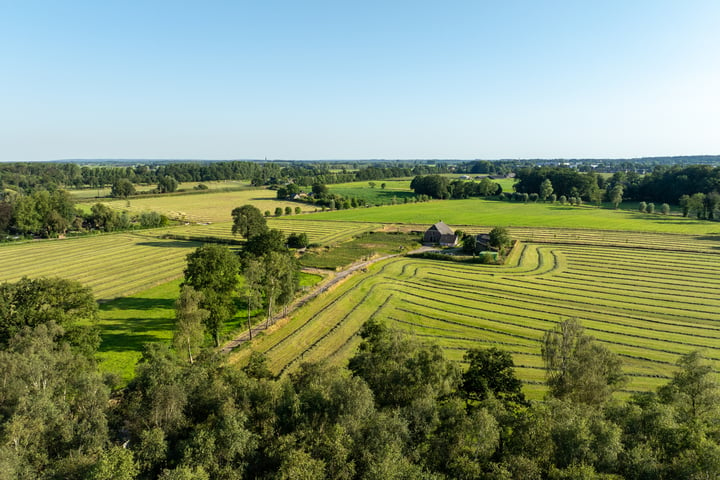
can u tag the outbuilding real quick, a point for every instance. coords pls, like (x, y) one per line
(442, 234)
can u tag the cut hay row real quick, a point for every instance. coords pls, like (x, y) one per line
(112, 265)
(463, 306)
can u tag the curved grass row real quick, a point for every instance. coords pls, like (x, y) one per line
(463, 306)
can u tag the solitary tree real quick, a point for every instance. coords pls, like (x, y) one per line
(213, 269)
(248, 221)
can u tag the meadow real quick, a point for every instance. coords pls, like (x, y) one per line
(477, 211)
(646, 305)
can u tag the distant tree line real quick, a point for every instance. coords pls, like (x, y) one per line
(26, 177)
(665, 184)
(50, 214)
(438, 186)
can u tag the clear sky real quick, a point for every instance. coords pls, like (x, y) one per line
(358, 79)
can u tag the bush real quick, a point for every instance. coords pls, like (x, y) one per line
(298, 240)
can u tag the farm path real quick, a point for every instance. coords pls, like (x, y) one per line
(321, 288)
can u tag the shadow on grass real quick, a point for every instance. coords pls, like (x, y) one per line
(132, 334)
(138, 303)
(170, 244)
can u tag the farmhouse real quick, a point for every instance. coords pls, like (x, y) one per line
(442, 234)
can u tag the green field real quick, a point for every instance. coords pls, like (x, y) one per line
(318, 231)
(95, 194)
(645, 285)
(505, 213)
(647, 305)
(113, 265)
(206, 207)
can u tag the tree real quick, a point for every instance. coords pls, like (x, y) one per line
(696, 204)
(665, 209)
(546, 189)
(278, 211)
(288, 210)
(684, 202)
(500, 239)
(213, 269)
(280, 277)
(189, 320)
(248, 221)
(253, 271)
(694, 390)
(711, 203)
(650, 207)
(122, 188)
(269, 241)
(53, 403)
(372, 184)
(298, 240)
(577, 367)
(491, 371)
(167, 184)
(32, 302)
(616, 195)
(642, 207)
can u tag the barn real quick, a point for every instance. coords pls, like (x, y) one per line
(442, 234)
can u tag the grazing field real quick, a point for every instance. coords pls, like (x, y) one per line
(649, 306)
(516, 214)
(399, 189)
(322, 232)
(113, 265)
(206, 207)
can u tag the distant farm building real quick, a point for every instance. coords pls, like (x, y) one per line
(441, 234)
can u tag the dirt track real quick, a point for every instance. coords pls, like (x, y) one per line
(321, 288)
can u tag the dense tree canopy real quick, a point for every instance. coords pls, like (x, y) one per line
(248, 221)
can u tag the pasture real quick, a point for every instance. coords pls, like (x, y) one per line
(515, 214)
(647, 305)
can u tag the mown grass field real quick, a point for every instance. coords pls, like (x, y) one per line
(647, 305)
(515, 214)
(113, 265)
(321, 232)
(206, 207)
(95, 194)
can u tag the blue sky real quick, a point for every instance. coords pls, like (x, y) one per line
(358, 79)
